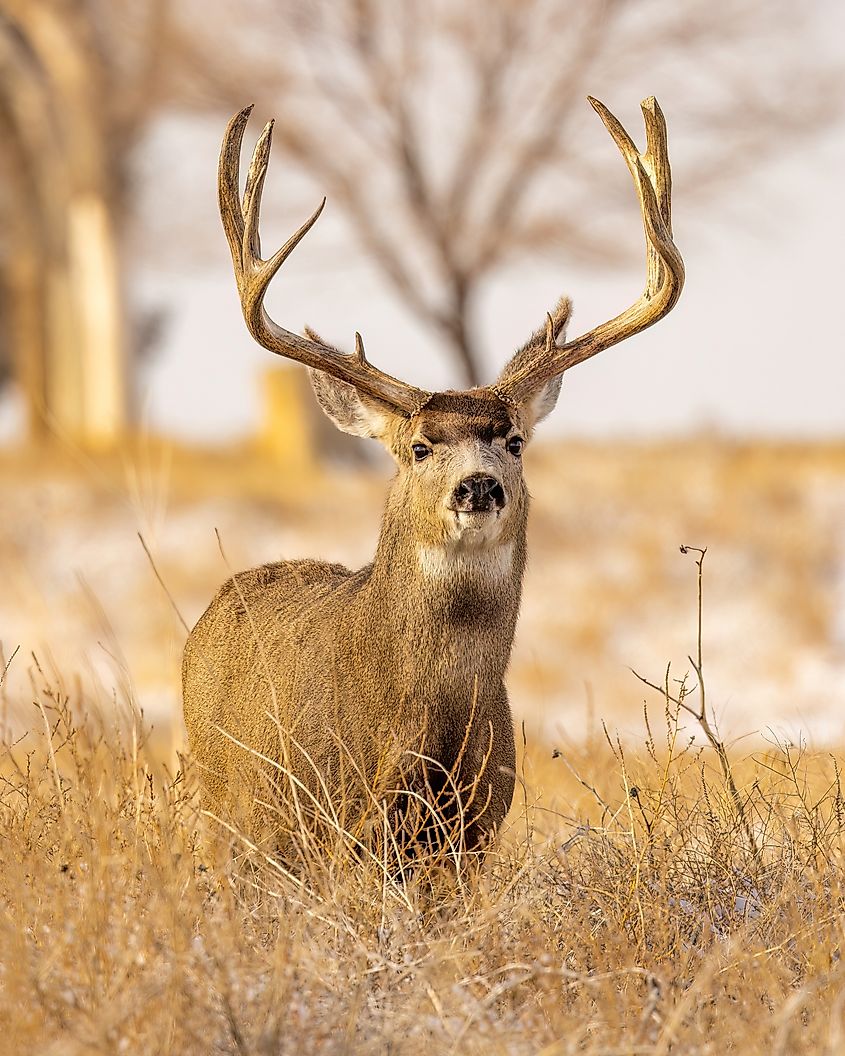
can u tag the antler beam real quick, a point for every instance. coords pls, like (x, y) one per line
(253, 275)
(664, 266)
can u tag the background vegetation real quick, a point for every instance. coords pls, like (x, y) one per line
(656, 889)
(629, 907)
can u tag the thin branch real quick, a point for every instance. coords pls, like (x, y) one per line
(163, 585)
(8, 664)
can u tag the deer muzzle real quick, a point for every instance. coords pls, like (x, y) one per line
(478, 493)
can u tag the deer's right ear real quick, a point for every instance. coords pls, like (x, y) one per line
(348, 409)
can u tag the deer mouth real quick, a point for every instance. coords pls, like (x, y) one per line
(476, 530)
(476, 518)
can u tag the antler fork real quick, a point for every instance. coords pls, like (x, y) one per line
(664, 266)
(253, 275)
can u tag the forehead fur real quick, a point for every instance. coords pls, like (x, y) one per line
(450, 416)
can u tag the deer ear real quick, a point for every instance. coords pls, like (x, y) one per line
(541, 402)
(348, 409)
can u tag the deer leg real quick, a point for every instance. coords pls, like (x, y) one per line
(487, 778)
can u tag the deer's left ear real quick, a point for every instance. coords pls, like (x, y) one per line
(541, 401)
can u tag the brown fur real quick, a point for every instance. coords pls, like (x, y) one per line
(345, 678)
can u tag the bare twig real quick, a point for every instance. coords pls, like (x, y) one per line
(8, 664)
(163, 585)
(699, 712)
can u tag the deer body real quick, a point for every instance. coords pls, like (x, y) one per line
(410, 652)
(366, 665)
(307, 682)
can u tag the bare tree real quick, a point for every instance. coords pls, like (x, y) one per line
(61, 257)
(79, 84)
(443, 130)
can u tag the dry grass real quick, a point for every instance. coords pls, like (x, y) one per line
(606, 588)
(647, 895)
(625, 910)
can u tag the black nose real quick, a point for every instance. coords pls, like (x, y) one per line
(478, 494)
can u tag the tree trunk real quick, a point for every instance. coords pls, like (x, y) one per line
(457, 328)
(23, 283)
(94, 276)
(465, 354)
(55, 108)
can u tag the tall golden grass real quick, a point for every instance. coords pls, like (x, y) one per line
(650, 893)
(630, 906)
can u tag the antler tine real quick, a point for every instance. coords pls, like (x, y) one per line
(252, 192)
(228, 192)
(550, 334)
(664, 266)
(253, 275)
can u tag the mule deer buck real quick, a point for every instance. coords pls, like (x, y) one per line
(391, 678)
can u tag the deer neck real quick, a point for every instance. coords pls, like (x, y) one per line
(457, 603)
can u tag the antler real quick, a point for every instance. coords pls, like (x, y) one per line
(253, 275)
(664, 266)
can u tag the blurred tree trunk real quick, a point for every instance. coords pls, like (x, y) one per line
(64, 259)
(23, 281)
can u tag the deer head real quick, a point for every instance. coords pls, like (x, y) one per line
(458, 453)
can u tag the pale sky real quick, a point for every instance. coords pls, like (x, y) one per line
(754, 346)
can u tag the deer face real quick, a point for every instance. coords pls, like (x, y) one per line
(459, 458)
(460, 464)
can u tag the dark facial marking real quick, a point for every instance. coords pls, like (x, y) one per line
(452, 416)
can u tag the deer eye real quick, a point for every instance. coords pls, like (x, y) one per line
(515, 445)
(420, 452)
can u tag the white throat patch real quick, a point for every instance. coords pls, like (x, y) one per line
(450, 561)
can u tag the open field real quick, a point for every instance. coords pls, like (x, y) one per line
(627, 909)
(644, 897)
(606, 590)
